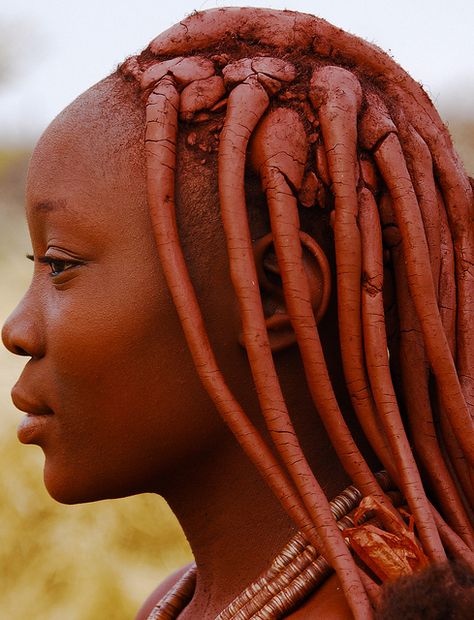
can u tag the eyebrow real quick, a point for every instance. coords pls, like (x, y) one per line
(45, 206)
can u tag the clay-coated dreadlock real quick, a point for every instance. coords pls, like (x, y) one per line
(325, 118)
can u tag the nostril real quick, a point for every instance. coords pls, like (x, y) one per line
(11, 340)
(22, 333)
(19, 351)
(13, 344)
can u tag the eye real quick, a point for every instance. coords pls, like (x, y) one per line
(57, 265)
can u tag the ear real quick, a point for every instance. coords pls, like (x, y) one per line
(279, 328)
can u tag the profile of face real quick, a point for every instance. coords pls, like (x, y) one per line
(110, 391)
(332, 134)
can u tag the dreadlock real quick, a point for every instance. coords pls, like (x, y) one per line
(336, 122)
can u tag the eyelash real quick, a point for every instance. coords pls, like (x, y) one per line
(53, 262)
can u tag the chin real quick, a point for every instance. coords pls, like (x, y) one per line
(69, 491)
(71, 488)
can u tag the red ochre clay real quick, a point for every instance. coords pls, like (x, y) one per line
(304, 125)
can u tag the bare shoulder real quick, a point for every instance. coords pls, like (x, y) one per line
(159, 592)
(327, 602)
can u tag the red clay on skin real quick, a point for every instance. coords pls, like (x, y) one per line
(250, 110)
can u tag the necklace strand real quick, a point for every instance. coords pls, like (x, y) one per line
(296, 571)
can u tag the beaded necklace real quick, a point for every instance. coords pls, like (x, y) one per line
(295, 572)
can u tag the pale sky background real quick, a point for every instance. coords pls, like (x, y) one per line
(58, 48)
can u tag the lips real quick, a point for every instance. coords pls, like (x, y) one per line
(28, 406)
(33, 427)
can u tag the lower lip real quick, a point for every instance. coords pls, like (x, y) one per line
(32, 427)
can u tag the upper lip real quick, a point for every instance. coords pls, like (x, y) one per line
(22, 403)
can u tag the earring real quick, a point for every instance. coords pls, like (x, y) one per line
(261, 247)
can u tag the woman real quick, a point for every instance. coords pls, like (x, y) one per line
(234, 145)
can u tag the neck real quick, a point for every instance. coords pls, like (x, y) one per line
(234, 524)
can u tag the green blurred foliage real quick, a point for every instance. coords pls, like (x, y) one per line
(77, 562)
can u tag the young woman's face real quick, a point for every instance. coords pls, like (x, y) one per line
(110, 391)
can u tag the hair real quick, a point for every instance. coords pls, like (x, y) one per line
(442, 592)
(331, 124)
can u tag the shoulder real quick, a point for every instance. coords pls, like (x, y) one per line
(159, 592)
(327, 602)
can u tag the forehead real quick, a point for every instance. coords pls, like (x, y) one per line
(90, 154)
(101, 127)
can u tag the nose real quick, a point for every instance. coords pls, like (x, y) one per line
(22, 333)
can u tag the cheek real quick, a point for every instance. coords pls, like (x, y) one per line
(123, 346)
(128, 401)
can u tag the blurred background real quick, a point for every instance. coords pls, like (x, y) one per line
(101, 560)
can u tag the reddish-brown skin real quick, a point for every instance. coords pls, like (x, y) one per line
(134, 410)
(179, 447)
